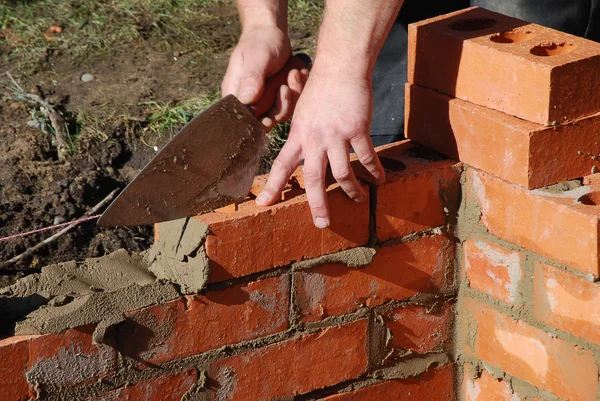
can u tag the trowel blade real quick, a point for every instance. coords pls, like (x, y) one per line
(210, 163)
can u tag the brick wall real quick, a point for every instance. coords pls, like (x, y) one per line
(471, 279)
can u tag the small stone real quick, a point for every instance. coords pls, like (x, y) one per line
(87, 77)
(58, 220)
(594, 169)
(33, 124)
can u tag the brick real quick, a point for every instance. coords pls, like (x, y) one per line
(417, 329)
(292, 367)
(199, 323)
(529, 353)
(522, 69)
(555, 225)
(397, 272)
(163, 388)
(417, 198)
(14, 353)
(433, 385)
(255, 239)
(516, 150)
(484, 387)
(68, 359)
(493, 269)
(567, 302)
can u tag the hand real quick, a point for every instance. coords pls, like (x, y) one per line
(261, 52)
(332, 115)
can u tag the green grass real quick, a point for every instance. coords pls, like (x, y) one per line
(91, 27)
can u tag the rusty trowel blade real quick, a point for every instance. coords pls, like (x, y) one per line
(210, 163)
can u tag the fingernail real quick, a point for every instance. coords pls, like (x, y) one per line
(262, 198)
(321, 222)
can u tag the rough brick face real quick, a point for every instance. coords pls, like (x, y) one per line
(418, 329)
(68, 359)
(567, 302)
(516, 150)
(195, 324)
(493, 269)
(417, 198)
(529, 353)
(254, 238)
(396, 272)
(292, 367)
(485, 387)
(433, 385)
(164, 388)
(555, 225)
(14, 353)
(522, 69)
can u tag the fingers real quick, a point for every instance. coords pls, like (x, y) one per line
(339, 160)
(282, 109)
(363, 147)
(284, 165)
(286, 99)
(315, 165)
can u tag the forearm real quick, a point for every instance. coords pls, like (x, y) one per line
(352, 34)
(255, 13)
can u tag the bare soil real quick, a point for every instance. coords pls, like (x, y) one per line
(112, 111)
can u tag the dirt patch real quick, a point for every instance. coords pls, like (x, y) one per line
(143, 79)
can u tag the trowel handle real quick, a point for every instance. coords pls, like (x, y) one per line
(267, 100)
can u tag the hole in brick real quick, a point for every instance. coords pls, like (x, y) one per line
(592, 199)
(392, 164)
(473, 24)
(513, 36)
(551, 49)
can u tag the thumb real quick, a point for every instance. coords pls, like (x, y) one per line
(252, 85)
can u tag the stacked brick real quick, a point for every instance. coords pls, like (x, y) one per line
(359, 311)
(519, 105)
(474, 272)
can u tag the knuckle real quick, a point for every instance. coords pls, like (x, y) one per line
(342, 175)
(368, 159)
(282, 165)
(318, 208)
(313, 177)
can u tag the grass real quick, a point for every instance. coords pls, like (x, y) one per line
(91, 28)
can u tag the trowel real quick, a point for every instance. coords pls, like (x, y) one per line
(210, 163)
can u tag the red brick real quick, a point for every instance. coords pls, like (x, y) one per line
(164, 388)
(199, 323)
(529, 353)
(483, 67)
(567, 302)
(417, 198)
(397, 272)
(433, 385)
(14, 353)
(493, 269)
(292, 367)
(554, 225)
(68, 359)
(255, 239)
(516, 150)
(417, 329)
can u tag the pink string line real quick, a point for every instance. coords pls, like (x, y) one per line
(39, 230)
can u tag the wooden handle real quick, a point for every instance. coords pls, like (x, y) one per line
(267, 100)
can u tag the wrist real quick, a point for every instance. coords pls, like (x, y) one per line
(343, 66)
(269, 17)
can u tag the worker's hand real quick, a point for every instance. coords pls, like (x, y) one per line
(332, 115)
(261, 52)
